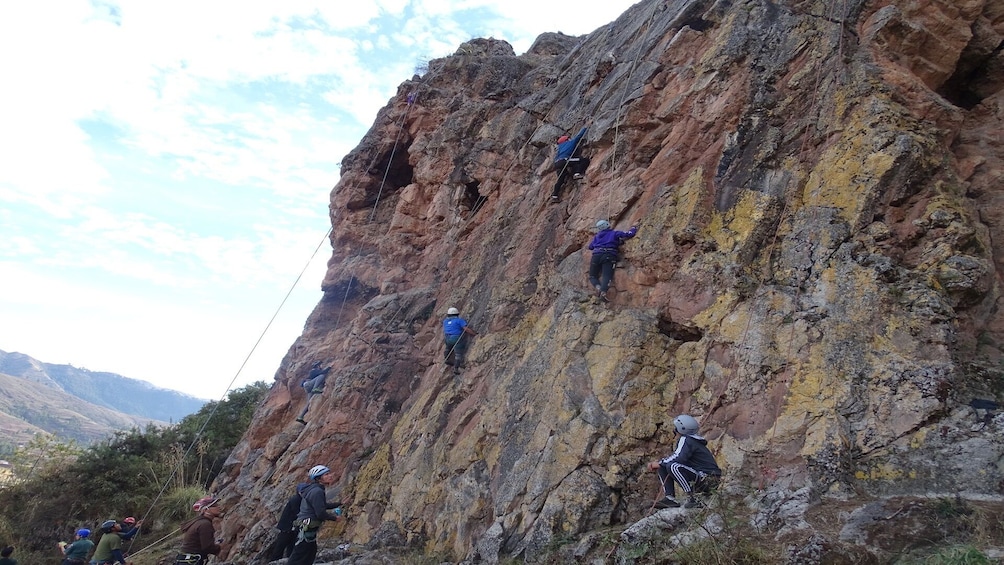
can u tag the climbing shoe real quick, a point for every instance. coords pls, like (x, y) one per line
(302, 421)
(577, 176)
(554, 198)
(603, 297)
(693, 503)
(667, 502)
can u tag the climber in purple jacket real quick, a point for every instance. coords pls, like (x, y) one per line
(604, 247)
(568, 161)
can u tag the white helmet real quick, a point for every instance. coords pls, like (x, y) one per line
(317, 471)
(602, 225)
(685, 425)
(453, 312)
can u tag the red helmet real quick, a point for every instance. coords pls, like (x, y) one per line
(204, 502)
(563, 139)
(130, 520)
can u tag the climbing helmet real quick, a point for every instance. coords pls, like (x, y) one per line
(602, 225)
(685, 425)
(453, 312)
(316, 471)
(204, 502)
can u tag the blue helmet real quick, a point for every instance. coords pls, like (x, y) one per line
(602, 225)
(83, 532)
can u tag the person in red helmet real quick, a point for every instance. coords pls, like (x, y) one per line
(130, 527)
(568, 161)
(199, 540)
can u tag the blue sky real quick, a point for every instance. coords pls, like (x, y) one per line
(165, 166)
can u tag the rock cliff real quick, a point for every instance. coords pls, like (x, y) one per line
(818, 190)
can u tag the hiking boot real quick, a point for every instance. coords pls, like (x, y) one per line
(302, 421)
(693, 502)
(667, 502)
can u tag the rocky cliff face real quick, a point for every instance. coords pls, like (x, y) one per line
(815, 278)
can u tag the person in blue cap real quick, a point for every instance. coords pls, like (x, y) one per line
(76, 552)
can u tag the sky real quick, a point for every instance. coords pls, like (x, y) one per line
(165, 167)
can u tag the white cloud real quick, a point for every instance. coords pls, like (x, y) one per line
(167, 165)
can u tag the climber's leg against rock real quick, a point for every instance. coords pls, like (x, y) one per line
(563, 171)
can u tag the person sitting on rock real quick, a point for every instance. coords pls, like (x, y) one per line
(568, 161)
(313, 384)
(455, 332)
(692, 466)
(605, 246)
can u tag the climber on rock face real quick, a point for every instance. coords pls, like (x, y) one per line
(568, 161)
(692, 466)
(455, 332)
(313, 384)
(605, 246)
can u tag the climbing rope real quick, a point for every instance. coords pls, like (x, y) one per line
(620, 107)
(212, 413)
(412, 98)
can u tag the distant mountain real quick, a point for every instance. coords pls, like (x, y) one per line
(27, 408)
(109, 390)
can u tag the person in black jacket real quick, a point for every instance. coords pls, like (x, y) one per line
(314, 384)
(692, 466)
(313, 512)
(284, 541)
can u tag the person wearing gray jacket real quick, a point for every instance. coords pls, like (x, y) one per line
(313, 512)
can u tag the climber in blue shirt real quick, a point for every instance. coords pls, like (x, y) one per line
(568, 161)
(604, 247)
(455, 332)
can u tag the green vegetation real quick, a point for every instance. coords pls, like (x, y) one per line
(154, 474)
